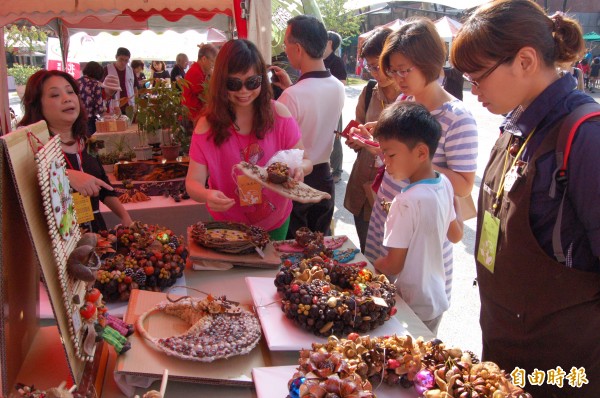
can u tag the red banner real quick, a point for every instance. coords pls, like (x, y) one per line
(72, 68)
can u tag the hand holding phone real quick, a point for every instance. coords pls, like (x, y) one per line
(272, 76)
(346, 133)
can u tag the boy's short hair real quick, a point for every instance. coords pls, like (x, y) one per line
(409, 123)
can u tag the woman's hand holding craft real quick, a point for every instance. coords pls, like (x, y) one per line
(86, 184)
(298, 174)
(217, 201)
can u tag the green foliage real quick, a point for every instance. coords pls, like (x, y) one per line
(30, 37)
(161, 107)
(21, 73)
(108, 158)
(338, 19)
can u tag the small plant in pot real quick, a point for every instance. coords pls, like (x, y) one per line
(143, 151)
(160, 108)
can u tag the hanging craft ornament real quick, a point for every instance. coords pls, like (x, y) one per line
(291, 189)
(62, 201)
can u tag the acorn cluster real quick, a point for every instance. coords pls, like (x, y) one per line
(328, 298)
(278, 173)
(436, 371)
(147, 257)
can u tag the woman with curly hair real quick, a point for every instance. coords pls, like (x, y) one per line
(241, 122)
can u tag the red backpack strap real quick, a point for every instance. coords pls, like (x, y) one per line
(566, 135)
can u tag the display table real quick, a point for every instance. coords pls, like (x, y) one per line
(232, 283)
(177, 216)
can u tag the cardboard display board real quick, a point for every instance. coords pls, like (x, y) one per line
(25, 223)
(19, 276)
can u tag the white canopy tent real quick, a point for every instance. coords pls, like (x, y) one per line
(146, 46)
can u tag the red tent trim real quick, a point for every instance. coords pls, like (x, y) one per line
(175, 15)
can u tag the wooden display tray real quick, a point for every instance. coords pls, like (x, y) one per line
(200, 253)
(144, 360)
(151, 170)
(301, 193)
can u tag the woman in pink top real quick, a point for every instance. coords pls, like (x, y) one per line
(241, 123)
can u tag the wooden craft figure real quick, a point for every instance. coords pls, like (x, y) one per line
(83, 262)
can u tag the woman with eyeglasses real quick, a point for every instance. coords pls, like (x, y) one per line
(539, 280)
(241, 122)
(414, 56)
(379, 93)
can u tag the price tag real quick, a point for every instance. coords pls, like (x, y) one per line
(510, 179)
(379, 301)
(250, 191)
(83, 208)
(260, 252)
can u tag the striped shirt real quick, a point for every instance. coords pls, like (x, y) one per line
(457, 151)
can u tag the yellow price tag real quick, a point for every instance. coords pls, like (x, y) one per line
(250, 191)
(83, 208)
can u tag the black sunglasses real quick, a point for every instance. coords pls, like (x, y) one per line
(251, 83)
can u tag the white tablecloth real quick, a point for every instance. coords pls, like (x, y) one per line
(162, 211)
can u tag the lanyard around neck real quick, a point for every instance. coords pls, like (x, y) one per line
(78, 155)
(515, 160)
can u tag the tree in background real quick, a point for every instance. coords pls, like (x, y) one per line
(29, 37)
(340, 20)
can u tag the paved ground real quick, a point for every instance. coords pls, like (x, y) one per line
(460, 325)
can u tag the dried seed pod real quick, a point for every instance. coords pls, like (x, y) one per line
(83, 263)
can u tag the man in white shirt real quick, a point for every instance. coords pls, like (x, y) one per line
(316, 101)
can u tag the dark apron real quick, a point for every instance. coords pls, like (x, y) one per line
(535, 312)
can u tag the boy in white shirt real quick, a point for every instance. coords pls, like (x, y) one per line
(422, 215)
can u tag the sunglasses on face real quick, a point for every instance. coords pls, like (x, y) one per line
(251, 83)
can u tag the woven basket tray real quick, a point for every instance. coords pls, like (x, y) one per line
(229, 237)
